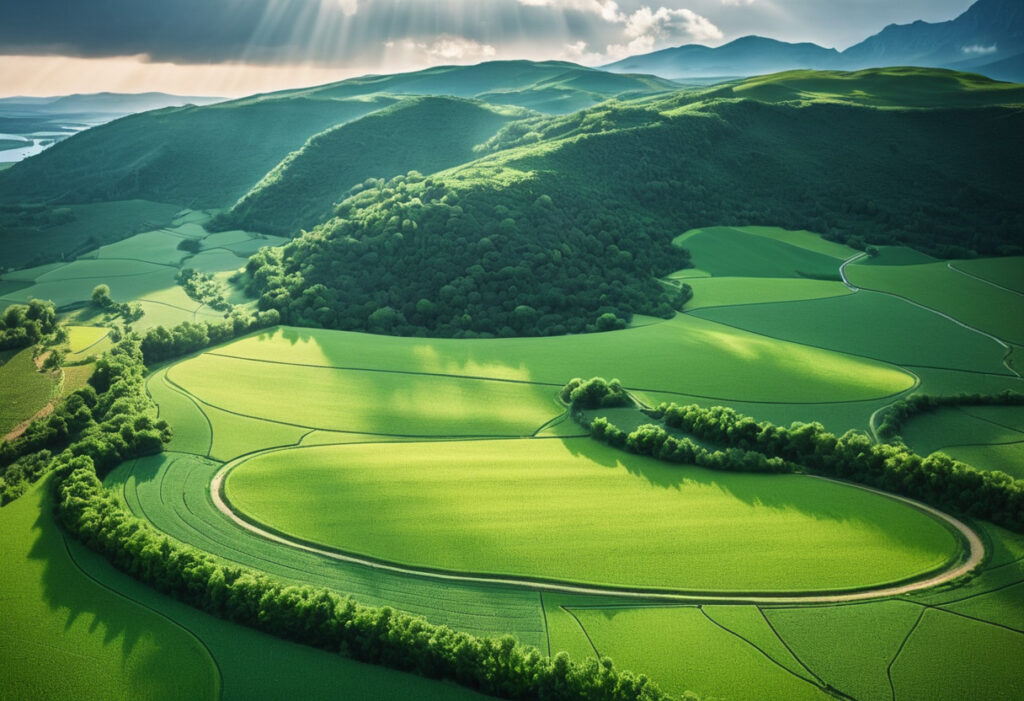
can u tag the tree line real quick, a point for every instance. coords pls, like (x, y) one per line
(937, 479)
(897, 414)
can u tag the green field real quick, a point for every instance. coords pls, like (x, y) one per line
(934, 285)
(23, 389)
(579, 511)
(988, 437)
(685, 355)
(896, 255)
(173, 492)
(729, 291)
(873, 325)
(106, 645)
(739, 252)
(691, 652)
(1006, 272)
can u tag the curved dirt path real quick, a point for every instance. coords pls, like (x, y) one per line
(976, 553)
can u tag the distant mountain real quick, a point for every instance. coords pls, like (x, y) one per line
(751, 55)
(108, 103)
(1009, 69)
(211, 156)
(988, 32)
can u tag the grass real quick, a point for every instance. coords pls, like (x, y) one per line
(172, 491)
(159, 247)
(934, 285)
(737, 252)
(64, 635)
(366, 402)
(690, 653)
(873, 325)
(1007, 272)
(685, 355)
(961, 426)
(896, 255)
(729, 291)
(192, 430)
(92, 225)
(82, 338)
(950, 657)
(1008, 457)
(74, 282)
(514, 508)
(850, 646)
(23, 389)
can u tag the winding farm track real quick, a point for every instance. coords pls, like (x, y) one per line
(975, 555)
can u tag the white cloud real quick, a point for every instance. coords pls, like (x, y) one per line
(737, 3)
(348, 7)
(979, 50)
(577, 53)
(445, 48)
(667, 24)
(606, 9)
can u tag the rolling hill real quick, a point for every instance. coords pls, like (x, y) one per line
(211, 156)
(568, 217)
(301, 191)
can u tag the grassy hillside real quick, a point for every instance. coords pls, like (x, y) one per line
(611, 186)
(877, 87)
(424, 134)
(210, 156)
(194, 156)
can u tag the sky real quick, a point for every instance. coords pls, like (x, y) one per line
(238, 47)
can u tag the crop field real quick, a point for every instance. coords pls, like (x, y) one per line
(23, 389)
(108, 645)
(356, 442)
(685, 355)
(1005, 272)
(632, 521)
(739, 252)
(937, 286)
(872, 325)
(731, 291)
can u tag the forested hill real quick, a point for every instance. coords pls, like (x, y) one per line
(571, 217)
(424, 134)
(211, 156)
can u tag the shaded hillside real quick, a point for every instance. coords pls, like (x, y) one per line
(570, 217)
(423, 134)
(191, 156)
(211, 156)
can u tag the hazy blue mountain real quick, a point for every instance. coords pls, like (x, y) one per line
(1009, 69)
(990, 30)
(749, 55)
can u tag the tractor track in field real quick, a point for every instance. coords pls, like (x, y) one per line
(975, 555)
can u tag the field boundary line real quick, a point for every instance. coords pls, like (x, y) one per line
(981, 279)
(975, 555)
(906, 639)
(791, 651)
(583, 629)
(219, 690)
(764, 653)
(1005, 344)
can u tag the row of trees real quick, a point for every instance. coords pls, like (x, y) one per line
(116, 404)
(161, 343)
(595, 393)
(655, 441)
(900, 412)
(937, 480)
(204, 288)
(23, 325)
(109, 420)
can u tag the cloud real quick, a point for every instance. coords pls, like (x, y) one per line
(979, 50)
(605, 9)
